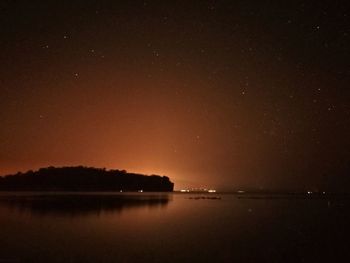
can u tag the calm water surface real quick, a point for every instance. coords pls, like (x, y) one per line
(171, 228)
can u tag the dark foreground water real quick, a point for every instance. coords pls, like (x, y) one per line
(172, 228)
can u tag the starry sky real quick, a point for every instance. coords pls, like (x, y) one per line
(223, 94)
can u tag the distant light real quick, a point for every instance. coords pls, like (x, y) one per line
(140, 191)
(323, 192)
(309, 192)
(211, 191)
(121, 191)
(184, 190)
(240, 191)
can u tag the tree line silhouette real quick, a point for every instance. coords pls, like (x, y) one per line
(80, 178)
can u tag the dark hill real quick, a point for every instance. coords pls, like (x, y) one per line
(84, 179)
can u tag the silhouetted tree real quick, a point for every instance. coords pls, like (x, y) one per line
(81, 178)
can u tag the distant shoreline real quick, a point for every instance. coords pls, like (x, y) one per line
(84, 179)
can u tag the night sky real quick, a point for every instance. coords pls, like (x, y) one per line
(223, 94)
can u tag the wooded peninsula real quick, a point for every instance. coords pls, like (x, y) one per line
(80, 178)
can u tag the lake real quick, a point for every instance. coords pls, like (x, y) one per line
(172, 227)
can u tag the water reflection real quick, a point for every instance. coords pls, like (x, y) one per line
(81, 204)
(192, 228)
